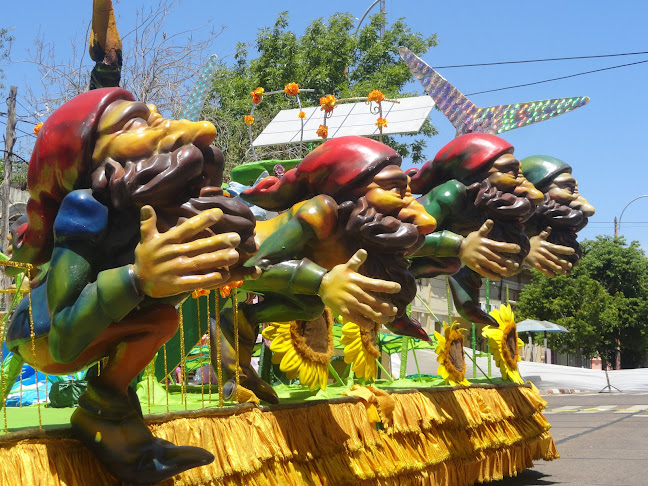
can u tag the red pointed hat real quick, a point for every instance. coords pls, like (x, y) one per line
(465, 158)
(334, 168)
(60, 163)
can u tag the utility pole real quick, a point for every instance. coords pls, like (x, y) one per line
(10, 139)
(616, 229)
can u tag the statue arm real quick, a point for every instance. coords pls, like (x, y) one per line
(313, 219)
(82, 302)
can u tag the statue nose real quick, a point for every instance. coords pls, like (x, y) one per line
(181, 132)
(416, 214)
(528, 190)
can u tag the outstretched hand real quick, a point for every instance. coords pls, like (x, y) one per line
(173, 262)
(352, 295)
(548, 258)
(489, 258)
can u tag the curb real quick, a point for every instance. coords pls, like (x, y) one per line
(563, 391)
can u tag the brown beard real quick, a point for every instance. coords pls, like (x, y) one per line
(564, 221)
(507, 211)
(179, 185)
(387, 241)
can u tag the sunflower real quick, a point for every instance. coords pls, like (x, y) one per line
(504, 343)
(360, 349)
(452, 365)
(303, 348)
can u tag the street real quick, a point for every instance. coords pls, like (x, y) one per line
(602, 439)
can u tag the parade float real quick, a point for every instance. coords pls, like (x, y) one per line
(141, 264)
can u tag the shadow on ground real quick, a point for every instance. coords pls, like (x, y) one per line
(529, 477)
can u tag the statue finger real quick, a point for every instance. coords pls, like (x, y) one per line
(194, 225)
(356, 261)
(376, 285)
(203, 245)
(148, 223)
(366, 311)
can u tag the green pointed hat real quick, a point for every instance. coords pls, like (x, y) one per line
(540, 170)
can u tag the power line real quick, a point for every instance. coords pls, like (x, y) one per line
(557, 79)
(542, 60)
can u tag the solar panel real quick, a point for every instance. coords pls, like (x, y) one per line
(407, 116)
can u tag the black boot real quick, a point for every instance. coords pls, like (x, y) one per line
(465, 286)
(247, 338)
(405, 326)
(111, 427)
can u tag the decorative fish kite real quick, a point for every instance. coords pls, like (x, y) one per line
(466, 117)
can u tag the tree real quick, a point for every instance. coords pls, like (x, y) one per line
(160, 63)
(328, 58)
(603, 303)
(5, 44)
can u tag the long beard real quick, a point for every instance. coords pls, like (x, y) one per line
(179, 185)
(507, 211)
(564, 221)
(387, 241)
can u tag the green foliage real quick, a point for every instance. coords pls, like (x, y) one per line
(603, 303)
(327, 58)
(18, 174)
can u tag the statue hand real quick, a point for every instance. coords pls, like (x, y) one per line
(488, 257)
(171, 263)
(352, 295)
(547, 257)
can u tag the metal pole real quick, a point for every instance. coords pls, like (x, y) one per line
(488, 354)
(626, 207)
(546, 350)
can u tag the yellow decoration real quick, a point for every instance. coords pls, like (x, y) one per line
(292, 89)
(37, 128)
(381, 122)
(249, 120)
(327, 103)
(504, 343)
(376, 95)
(452, 364)
(257, 95)
(322, 131)
(360, 349)
(302, 115)
(442, 437)
(303, 348)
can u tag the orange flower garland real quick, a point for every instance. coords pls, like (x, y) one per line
(249, 120)
(327, 103)
(37, 128)
(381, 122)
(376, 95)
(322, 131)
(199, 293)
(257, 95)
(292, 89)
(226, 290)
(302, 115)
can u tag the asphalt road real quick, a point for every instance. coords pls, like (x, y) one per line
(602, 439)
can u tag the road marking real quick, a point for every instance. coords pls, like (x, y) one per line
(633, 409)
(568, 408)
(598, 408)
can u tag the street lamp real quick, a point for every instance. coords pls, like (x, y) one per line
(382, 10)
(617, 226)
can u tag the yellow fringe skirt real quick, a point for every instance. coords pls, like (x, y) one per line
(448, 437)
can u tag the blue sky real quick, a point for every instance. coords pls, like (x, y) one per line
(602, 141)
